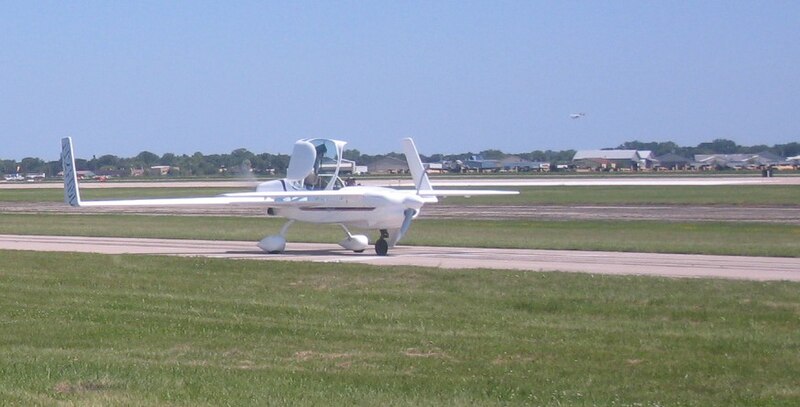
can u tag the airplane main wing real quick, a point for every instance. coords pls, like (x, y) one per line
(424, 192)
(211, 200)
(299, 198)
(345, 192)
(72, 192)
(278, 198)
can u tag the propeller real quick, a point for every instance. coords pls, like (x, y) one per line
(408, 217)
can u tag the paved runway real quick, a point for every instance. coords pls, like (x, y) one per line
(667, 265)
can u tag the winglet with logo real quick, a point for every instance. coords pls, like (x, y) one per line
(72, 195)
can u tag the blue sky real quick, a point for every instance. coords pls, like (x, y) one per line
(123, 77)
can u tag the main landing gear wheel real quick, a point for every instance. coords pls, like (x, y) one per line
(381, 247)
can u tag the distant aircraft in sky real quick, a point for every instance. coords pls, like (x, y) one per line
(312, 192)
(577, 115)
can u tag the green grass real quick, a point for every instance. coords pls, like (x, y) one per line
(776, 195)
(736, 195)
(725, 238)
(125, 330)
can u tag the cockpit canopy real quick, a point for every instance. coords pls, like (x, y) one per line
(315, 164)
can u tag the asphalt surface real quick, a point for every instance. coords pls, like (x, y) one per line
(612, 263)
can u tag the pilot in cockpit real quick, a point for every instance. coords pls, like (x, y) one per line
(321, 151)
(313, 181)
(310, 182)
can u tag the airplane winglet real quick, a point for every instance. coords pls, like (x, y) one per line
(421, 182)
(72, 194)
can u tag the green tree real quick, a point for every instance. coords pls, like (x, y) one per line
(353, 155)
(8, 166)
(53, 168)
(718, 146)
(169, 159)
(32, 164)
(788, 150)
(492, 154)
(146, 159)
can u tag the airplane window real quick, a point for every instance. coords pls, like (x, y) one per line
(325, 164)
(327, 156)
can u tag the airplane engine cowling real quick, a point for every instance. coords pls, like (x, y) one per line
(272, 244)
(355, 243)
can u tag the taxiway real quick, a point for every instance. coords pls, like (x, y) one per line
(614, 263)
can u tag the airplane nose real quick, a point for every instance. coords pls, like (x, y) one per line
(413, 202)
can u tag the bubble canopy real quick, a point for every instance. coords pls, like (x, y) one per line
(315, 164)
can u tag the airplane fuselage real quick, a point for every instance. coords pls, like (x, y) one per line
(366, 208)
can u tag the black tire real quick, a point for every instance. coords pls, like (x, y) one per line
(381, 247)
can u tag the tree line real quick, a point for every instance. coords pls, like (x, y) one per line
(241, 161)
(718, 146)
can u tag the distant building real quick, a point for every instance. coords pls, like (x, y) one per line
(454, 166)
(163, 169)
(82, 174)
(347, 167)
(611, 160)
(517, 164)
(112, 172)
(672, 162)
(477, 163)
(737, 161)
(434, 168)
(646, 159)
(35, 176)
(388, 165)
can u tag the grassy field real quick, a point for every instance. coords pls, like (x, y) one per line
(556, 195)
(737, 195)
(125, 330)
(724, 238)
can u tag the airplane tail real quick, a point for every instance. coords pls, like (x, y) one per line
(421, 182)
(72, 194)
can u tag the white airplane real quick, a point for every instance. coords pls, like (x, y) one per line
(14, 177)
(312, 193)
(577, 115)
